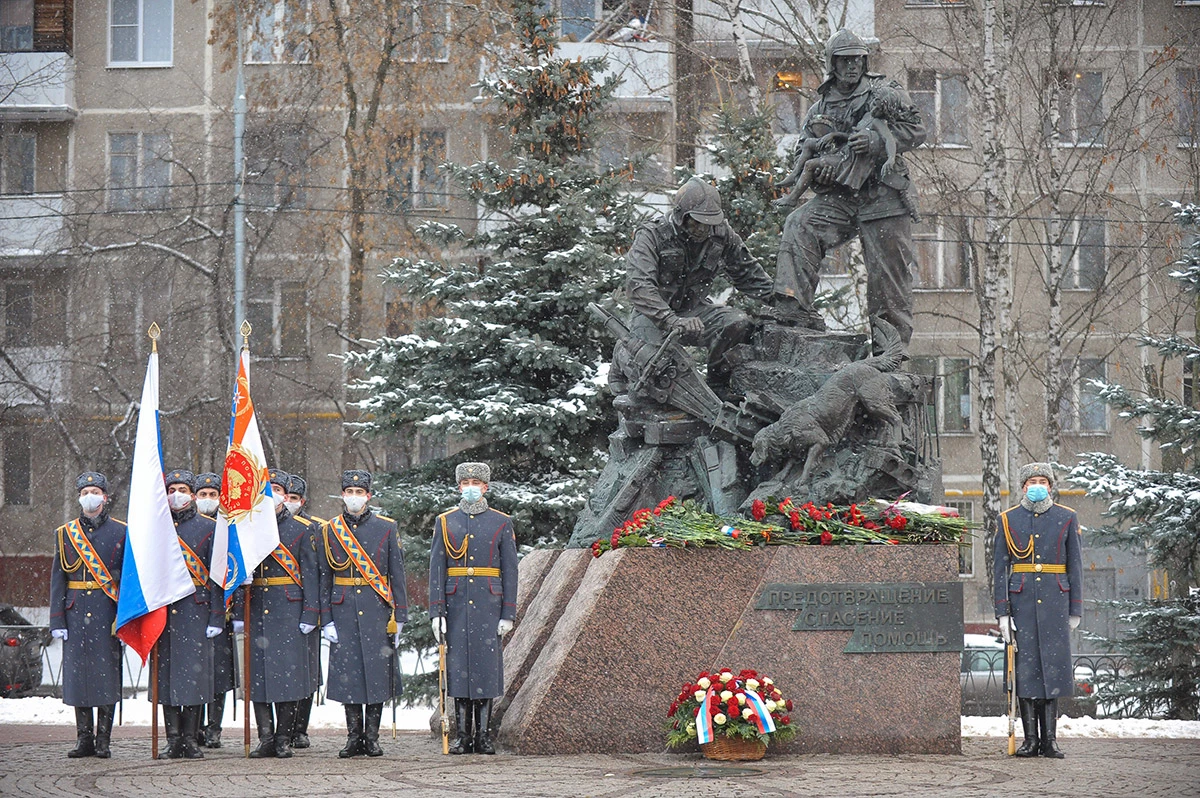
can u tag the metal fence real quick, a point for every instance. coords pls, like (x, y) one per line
(984, 693)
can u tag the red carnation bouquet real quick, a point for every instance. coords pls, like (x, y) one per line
(731, 706)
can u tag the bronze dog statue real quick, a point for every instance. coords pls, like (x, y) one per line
(820, 420)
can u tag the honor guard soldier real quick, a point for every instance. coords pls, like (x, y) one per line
(208, 496)
(472, 603)
(185, 648)
(285, 608)
(366, 608)
(1038, 573)
(84, 579)
(297, 504)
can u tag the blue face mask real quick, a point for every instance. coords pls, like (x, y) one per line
(472, 493)
(1036, 493)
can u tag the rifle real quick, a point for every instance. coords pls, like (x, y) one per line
(442, 697)
(1010, 673)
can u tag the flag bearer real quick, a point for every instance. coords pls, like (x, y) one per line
(84, 579)
(285, 607)
(297, 504)
(1038, 573)
(185, 649)
(472, 603)
(208, 497)
(366, 607)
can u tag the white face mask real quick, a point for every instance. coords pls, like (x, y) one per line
(278, 497)
(207, 506)
(90, 502)
(355, 504)
(293, 507)
(179, 500)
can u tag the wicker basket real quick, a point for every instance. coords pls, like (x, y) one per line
(734, 749)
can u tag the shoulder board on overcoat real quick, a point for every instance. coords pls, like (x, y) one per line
(209, 517)
(118, 520)
(304, 521)
(385, 518)
(1065, 507)
(1010, 509)
(497, 512)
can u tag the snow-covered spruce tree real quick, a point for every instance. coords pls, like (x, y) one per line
(509, 360)
(1157, 512)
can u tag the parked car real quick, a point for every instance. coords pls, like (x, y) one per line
(981, 678)
(21, 646)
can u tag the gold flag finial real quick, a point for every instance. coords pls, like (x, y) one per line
(245, 330)
(154, 332)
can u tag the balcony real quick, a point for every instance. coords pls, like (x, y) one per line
(38, 87)
(644, 67)
(30, 224)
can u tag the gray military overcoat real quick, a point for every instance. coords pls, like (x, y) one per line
(473, 605)
(91, 658)
(280, 669)
(185, 653)
(362, 664)
(1040, 603)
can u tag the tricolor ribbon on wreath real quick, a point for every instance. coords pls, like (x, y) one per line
(761, 716)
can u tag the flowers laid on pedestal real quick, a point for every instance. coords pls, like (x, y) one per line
(675, 523)
(732, 716)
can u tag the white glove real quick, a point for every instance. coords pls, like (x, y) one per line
(306, 628)
(1006, 628)
(329, 632)
(439, 627)
(61, 634)
(1073, 621)
(213, 631)
(504, 627)
(396, 640)
(239, 627)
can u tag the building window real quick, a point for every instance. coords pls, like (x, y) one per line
(1081, 109)
(35, 311)
(139, 171)
(140, 32)
(1080, 408)
(1083, 253)
(279, 33)
(1188, 82)
(413, 165)
(943, 254)
(944, 105)
(18, 161)
(276, 168)
(17, 463)
(278, 312)
(966, 546)
(429, 32)
(16, 26)
(952, 399)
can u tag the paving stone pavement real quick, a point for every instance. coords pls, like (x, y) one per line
(33, 763)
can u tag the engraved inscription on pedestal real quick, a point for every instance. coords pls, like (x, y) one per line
(894, 617)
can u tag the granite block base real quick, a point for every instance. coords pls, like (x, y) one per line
(607, 650)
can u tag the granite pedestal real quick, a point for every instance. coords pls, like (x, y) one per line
(603, 646)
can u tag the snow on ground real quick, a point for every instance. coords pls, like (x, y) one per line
(1088, 727)
(330, 715)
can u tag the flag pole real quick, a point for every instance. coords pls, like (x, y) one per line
(154, 702)
(246, 670)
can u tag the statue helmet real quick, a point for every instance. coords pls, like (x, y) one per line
(699, 200)
(844, 42)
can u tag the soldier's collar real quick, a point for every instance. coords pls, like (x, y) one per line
(1037, 507)
(475, 507)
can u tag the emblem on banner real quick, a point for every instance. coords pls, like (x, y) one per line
(241, 484)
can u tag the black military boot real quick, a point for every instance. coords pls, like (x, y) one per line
(354, 732)
(104, 720)
(285, 722)
(172, 723)
(1029, 724)
(189, 738)
(265, 722)
(463, 744)
(1048, 718)
(85, 740)
(212, 731)
(483, 719)
(371, 730)
(300, 733)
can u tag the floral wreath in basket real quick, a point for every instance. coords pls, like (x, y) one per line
(743, 706)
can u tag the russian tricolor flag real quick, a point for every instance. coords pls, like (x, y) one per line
(246, 529)
(153, 574)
